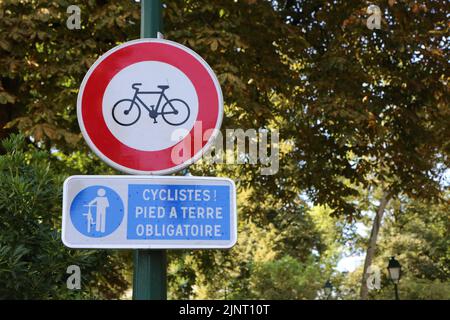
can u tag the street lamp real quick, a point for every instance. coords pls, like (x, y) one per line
(395, 272)
(328, 287)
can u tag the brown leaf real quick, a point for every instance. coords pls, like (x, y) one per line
(37, 133)
(50, 132)
(214, 45)
(5, 45)
(71, 138)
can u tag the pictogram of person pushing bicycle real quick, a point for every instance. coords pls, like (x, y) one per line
(100, 203)
(127, 112)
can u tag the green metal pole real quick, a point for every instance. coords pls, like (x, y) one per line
(150, 275)
(150, 266)
(151, 18)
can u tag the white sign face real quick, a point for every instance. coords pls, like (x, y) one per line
(149, 212)
(148, 94)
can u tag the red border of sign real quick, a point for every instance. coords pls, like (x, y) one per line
(131, 160)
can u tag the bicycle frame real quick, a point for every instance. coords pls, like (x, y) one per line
(153, 109)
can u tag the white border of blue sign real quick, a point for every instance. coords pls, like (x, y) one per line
(74, 239)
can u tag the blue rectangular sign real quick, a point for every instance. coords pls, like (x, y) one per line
(149, 212)
(178, 212)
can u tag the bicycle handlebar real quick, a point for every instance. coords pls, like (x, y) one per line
(134, 85)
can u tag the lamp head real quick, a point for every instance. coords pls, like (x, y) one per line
(394, 269)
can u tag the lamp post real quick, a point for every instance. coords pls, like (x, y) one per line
(395, 270)
(328, 288)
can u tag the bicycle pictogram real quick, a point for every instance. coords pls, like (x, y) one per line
(127, 112)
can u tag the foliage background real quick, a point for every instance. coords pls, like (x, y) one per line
(361, 113)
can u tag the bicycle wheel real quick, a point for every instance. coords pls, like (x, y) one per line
(123, 114)
(175, 112)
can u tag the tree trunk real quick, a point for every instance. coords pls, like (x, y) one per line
(373, 243)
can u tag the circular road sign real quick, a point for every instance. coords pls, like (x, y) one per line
(150, 106)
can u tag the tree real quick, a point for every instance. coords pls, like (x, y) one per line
(286, 278)
(42, 63)
(40, 95)
(375, 104)
(356, 108)
(416, 233)
(33, 261)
